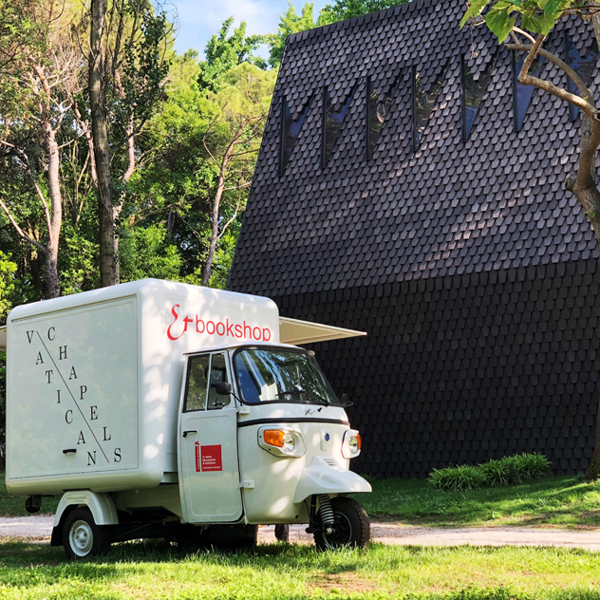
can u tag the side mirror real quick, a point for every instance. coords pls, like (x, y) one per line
(345, 402)
(223, 388)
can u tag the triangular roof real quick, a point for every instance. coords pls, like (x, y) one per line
(495, 201)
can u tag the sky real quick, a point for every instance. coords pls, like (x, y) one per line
(199, 19)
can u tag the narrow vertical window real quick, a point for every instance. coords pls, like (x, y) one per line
(423, 103)
(473, 89)
(378, 108)
(584, 67)
(522, 93)
(290, 129)
(332, 122)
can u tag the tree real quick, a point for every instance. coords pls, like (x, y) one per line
(223, 53)
(128, 62)
(232, 141)
(340, 10)
(36, 86)
(289, 22)
(537, 19)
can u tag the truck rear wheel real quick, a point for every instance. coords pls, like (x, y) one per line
(82, 538)
(351, 526)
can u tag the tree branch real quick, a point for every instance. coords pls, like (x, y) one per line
(25, 161)
(585, 105)
(21, 233)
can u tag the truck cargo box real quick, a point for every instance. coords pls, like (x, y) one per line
(93, 380)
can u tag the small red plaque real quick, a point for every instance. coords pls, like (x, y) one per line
(211, 458)
(197, 451)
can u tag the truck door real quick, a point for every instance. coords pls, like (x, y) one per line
(208, 458)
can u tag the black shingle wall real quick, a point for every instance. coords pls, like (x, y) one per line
(467, 261)
(467, 368)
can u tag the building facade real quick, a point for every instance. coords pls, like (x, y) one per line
(408, 186)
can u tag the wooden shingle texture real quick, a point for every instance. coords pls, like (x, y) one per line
(470, 266)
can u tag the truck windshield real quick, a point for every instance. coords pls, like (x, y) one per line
(281, 375)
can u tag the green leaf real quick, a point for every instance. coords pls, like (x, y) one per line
(550, 7)
(529, 22)
(474, 10)
(542, 24)
(500, 23)
(547, 22)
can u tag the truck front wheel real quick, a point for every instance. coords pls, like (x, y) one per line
(351, 526)
(82, 538)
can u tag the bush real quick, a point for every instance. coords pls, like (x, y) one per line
(509, 470)
(464, 477)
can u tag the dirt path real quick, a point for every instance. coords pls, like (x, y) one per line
(39, 528)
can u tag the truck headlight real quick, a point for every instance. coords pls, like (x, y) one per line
(282, 442)
(351, 444)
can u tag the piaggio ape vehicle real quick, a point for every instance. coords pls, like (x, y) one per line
(159, 409)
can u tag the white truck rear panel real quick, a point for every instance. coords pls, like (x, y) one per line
(94, 380)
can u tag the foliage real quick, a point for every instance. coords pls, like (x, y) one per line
(463, 477)
(537, 16)
(223, 53)
(289, 22)
(339, 10)
(146, 252)
(232, 141)
(8, 288)
(512, 470)
(509, 470)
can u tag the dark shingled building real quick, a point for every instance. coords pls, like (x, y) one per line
(408, 186)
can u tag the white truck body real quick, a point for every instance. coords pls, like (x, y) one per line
(96, 409)
(100, 373)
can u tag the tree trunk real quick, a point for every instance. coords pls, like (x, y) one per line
(101, 145)
(214, 236)
(55, 221)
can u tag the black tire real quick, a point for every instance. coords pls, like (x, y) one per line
(351, 529)
(240, 537)
(190, 537)
(82, 538)
(282, 532)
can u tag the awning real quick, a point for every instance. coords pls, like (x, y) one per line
(293, 331)
(2, 338)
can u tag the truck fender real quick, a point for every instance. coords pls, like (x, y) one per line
(101, 506)
(321, 478)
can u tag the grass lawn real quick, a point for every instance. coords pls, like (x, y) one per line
(566, 501)
(14, 506)
(158, 571)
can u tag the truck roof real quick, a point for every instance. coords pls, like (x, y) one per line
(242, 345)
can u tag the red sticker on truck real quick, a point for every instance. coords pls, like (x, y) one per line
(197, 451)
(211, 458)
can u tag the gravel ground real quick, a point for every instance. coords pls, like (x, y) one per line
(39, 528)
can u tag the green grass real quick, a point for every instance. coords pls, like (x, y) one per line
(14, 506)
(566, 501)
(158, 571)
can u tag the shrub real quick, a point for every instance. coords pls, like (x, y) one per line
(464, 477)
(509, 470)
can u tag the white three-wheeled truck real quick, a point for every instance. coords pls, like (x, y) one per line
(159, 409)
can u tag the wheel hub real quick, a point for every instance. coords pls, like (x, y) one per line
(81, 538)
